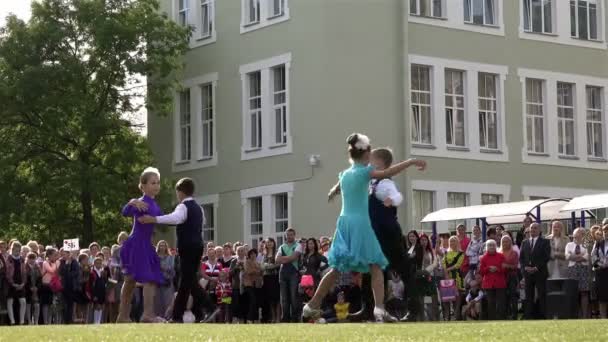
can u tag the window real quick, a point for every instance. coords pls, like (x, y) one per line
(488, 116)
(584, 20)
(422, 205)
(427, 8)
(256, 221)
(279, 106)
(454, 108)
(491, 199)
(457, 200)
(266, 108)
(595, 136)
(252, 12)
(276, 8)
(535, 116)
(281, 216)
(480, 12)
(209, 225)
(207, 119)
(267, 212)
(206, 18)
(565, 118)
(182, 13)
(421, 104)
(184, 124)
(255, 109)
(538, 16)
(257, 14)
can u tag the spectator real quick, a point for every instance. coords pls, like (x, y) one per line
(475, 295)
(288, 256)
(69, 270)
(599, 259)
(17, 277)
(271, 289)
(510, 266)
(252, 281)
(96, 288)
(535, 254)
(429, 264)
(94, 248)
(395, 303)
(227, 256)
(558, 266)
(494, 281)
(82, 301)
(313, 262)
(210, 271)
(452, 263)
(165, 291)
(223, 292)
(239, 300)
(577, 257)
(50, 270)
(521, 234)
(415, 294)
(474, 250)
(32, 286)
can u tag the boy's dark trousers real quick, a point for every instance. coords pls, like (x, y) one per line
(190, 257)
(391, 242)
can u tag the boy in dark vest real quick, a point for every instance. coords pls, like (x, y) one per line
(188, 217)
(384, 199)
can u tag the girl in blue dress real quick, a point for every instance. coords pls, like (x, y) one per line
(139, 261)
(355, 247)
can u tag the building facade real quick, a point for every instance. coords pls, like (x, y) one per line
(505, 99)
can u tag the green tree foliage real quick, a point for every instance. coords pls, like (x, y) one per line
(69, 79)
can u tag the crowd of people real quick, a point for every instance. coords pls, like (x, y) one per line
(369, 270)
(501, 278)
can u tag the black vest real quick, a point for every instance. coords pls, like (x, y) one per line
(383, 218)
(189, 233)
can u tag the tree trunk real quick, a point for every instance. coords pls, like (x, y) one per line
(86, 202)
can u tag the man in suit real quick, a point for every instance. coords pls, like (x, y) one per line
(534, 257)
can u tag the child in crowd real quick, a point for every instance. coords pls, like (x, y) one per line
(82, 300)
(396, 293)
(32, 285)
(341, 308)
(96, 288)
(472, 308)
(17, 277)
(223, 291)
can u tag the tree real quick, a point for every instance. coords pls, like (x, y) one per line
(69, 78)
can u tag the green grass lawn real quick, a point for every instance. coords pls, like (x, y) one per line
(589, 330)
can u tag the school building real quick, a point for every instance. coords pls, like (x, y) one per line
(506, 99)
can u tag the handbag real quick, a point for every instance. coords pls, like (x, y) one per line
(55, 284)
(448, 290)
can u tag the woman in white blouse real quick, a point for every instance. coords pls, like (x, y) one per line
(577, 256)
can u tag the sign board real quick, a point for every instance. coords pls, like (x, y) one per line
(70, 245)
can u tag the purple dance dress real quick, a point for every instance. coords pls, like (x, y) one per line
(137, 255)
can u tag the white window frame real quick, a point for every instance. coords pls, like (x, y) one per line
(454, 18)
(562, 32)
(416, 107)
(265, 14)
(487, 113)
(530, 17)
(594, 123)
(253, 136)
(207, 124)
(467, 202)
(499, 198)
(278, 236)
(182, 16)
(531, 146)
(425, 226)
(598, 28)
(279, 107)
(563, 122)
(267, 194)
(441, 190)
(197, 160)
(184, 117)
(269, 146)
(430, 4)
(471, 6)
(215, 201)
(194, 18)
(451, 112)
(473, 150)
(552, 157)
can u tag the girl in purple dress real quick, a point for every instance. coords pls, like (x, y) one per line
(139, 261)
